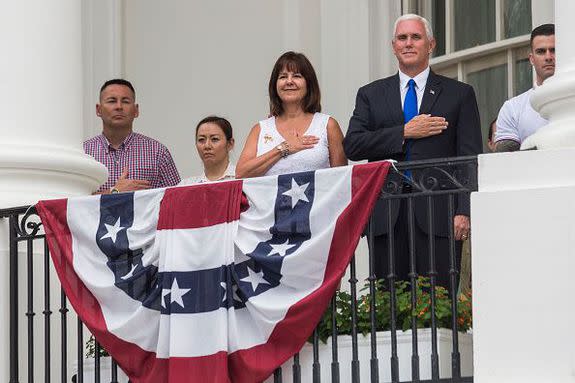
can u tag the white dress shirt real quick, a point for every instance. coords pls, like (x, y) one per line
(229, 174)
(517, 119)
(420, 82)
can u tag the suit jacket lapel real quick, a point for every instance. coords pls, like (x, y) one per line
(431, 93)
(392, 97)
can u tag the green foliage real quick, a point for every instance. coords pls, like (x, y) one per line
(91, 348)
(405, 314)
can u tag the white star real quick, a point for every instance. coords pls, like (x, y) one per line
(178, 293)
(255, 279)
(130, 273)
(113, 230)
(280, 249)
(297, 193)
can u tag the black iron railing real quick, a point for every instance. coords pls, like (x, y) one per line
(429, 180)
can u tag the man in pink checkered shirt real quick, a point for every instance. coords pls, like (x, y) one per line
(134, 161)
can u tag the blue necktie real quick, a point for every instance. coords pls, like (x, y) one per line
(409, 111)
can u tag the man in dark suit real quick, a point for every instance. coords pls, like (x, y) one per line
(415, 115)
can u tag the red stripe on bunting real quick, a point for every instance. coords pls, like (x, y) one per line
(205, 205)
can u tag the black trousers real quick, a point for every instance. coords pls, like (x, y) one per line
(401, 253)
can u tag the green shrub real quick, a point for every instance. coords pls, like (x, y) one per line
(404, 311)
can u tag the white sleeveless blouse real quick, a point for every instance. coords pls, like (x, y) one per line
(304, 160)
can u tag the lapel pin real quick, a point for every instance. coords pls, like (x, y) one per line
(431, 91)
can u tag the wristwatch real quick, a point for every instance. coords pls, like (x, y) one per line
(283, 148)
(113, 190)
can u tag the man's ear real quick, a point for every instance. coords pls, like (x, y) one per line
(98, 110)
(432, 44)
(137, 110)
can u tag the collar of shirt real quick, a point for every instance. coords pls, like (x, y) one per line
(420, 82)
(229, 174)
(106, 144)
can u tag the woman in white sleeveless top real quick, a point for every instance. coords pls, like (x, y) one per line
(297, 137)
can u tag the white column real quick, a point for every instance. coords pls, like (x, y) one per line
(41, 129)
(555, 98)
(41, 104)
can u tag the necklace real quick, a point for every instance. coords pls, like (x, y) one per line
(293, 127)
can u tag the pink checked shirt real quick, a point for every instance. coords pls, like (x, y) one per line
(144, 157)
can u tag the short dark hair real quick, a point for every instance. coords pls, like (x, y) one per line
(295, 62)
(118, 81)
(542, 30)
(224, 125)
(490, 134)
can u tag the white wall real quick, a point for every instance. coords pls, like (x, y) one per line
(542, 12)
(102, 54)
(192, 59)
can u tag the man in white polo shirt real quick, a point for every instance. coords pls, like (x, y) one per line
(517, 119)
